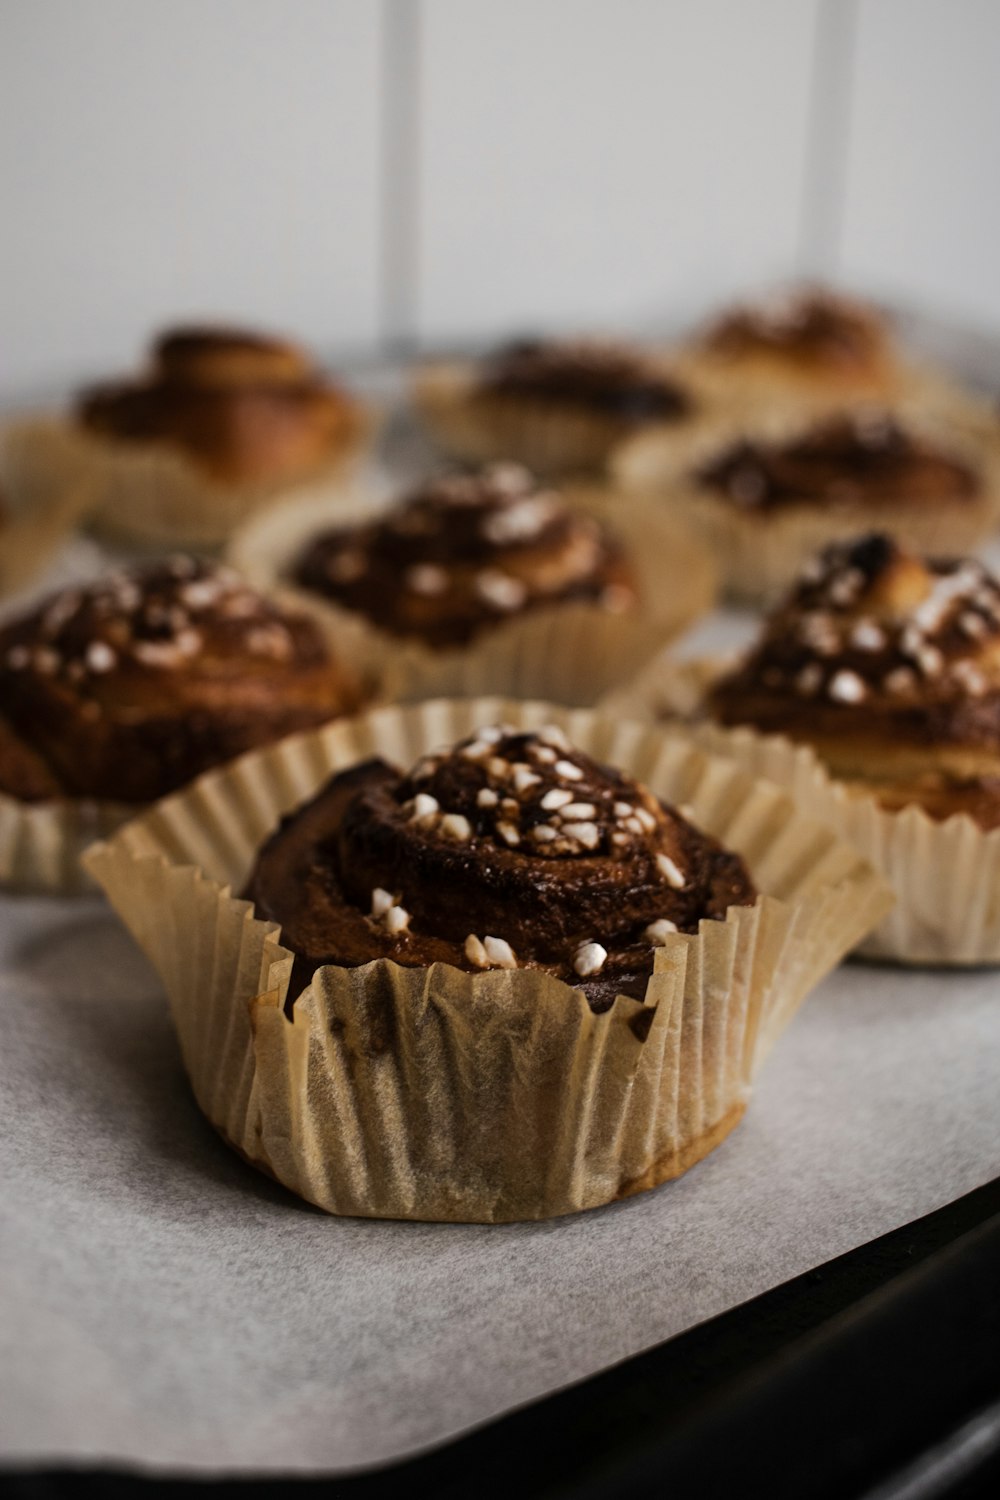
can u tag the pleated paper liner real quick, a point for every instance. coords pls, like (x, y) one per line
(945, 874)
(569, 652)
(436, 1094)
(550, 438)
(761, 553)
(152, 496)
(40, 515)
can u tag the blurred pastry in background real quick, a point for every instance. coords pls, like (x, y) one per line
(803, 344)
(464, 552)
(888, 666)
(128, 688)
(489, 580)
(767, 495)
(559, 406)
(220, 422)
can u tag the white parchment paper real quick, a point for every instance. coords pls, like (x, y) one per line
(161, 1302)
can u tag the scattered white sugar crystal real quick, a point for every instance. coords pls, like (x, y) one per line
(556, 798)
(525, 777)
(578, 812)
(200, 593)
(498, 767)
(493, 733)
(500, 590)
(868, 636)
(518, 522)
(670, 871)
(396, 920)
(544, 833)
(568, 771)
(847, 687)
(455, 826)
(382, 901)
(486, 797)
(476, 749)
(509, 834)
(660, 930)
(499, 953)
(646, 819)
(543, 753)
(423, 806)
(589, 958)
(475, 952)
(427, 579)
(100, 657)
(929, 660)
(971, 624)
(624, 810)
(587, 834)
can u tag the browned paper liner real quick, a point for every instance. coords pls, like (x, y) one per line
(468, 423)
(945, 874)
(43, 512)
(568, 653)
(760, 554)
(152, 495)
(436, 1094)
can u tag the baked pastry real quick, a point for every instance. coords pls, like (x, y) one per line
(469, 1053)
(767, 498)
(804, 344)
(464, 552)
(239, 408)
(559, 406)
(127, 689)
(511, 850)
(219, 424)
(889, 667)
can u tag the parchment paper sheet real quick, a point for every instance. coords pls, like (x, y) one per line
(162, 1303)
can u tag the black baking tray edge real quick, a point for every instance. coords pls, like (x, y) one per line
(876, 1375)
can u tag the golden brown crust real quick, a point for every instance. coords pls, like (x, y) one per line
(239, 407)
(512, 850)
(890, 668)
(131, 687)
(809, 335)
(465, 552)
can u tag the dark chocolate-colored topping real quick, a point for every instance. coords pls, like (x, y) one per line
(809, 327)
(603, 377)
(130, 687)
(464, 552)
(862, 461)
(874, 642)
(512, 850)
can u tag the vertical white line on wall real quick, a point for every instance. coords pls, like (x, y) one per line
(399, 230)
(824, 184)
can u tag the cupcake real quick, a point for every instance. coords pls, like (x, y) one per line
(873, 696)
(220, 422)
(513, 980)
(559, 406)
(489, 579)
(767, 497)
(115, 694)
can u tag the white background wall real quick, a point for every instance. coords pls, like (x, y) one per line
(369, 172)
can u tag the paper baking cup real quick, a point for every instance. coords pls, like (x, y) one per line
(41, 514)
(759, 555)
(434, 1094)
(550, 438)
(569, 653)
(153, 496)
(945, 874)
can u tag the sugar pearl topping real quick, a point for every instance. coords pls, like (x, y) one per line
(156, 619)
(532, 793)
(870, 619)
